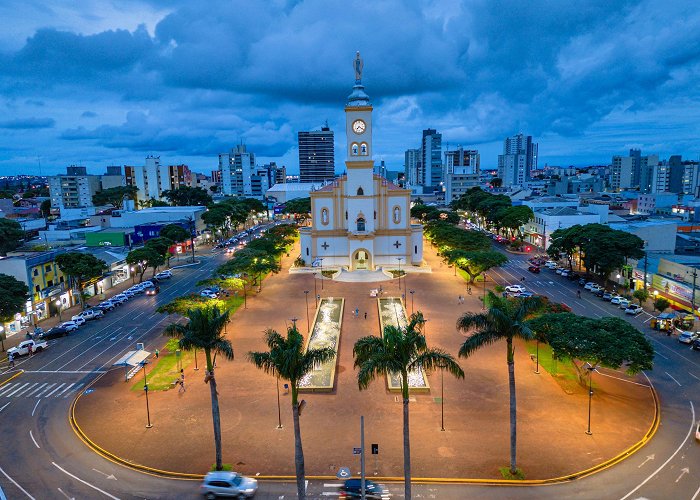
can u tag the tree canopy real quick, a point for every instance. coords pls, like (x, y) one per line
(80, 268)
(114, 196)
(13, 297)
(145, 257)
(11, 235)
(186, 196)
(175, 233)
(474, 262)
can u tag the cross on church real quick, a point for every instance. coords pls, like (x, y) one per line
(325, 245)
(397, 244)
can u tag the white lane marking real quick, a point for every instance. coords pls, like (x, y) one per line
(64, 371)
(15, 483)
(17, 389)
(55, 389)
(6, 405)
(127, 335)
(25, 390)
(84, 482)
(696, 378)
(77, 386)
(620, 378)
(32, 436)
(6, 387)
(65, 389)
(697, 492)
(35, 406)
(657, 353)
(676, 381)
(332, 485)
(65, 494)
(690, 431)
(36, 390)
(45, 389)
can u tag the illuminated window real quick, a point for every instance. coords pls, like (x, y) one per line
(361, 224)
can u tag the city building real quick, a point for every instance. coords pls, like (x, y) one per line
(180, 175)
(518, 160)
(361, 221)
(430, 173)
(621, 173)
(582, 183)
(150, 179)
(283, 192)
(539, 229)
(659, 235)
(649, 204)
(74, 189)
(113, 177)
(635, 172)
(316, 155)
(412, 166)
(237, 169)
(462, 172)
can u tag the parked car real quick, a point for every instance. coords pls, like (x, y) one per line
(559, 270)
(616, 300)
(22, 348)
(696, 344)
(228, 484)
(525, 294)
(589, 285)
(164, 275)
(534, 269)
(70, 325)
(107, 305)
(624, 303)
(129, 293)
(353, 489)
(97, 313)
(582, 282)
(53, 333)
(153, 291)
(633, 309)
(78, 320)
(565, 273)
(687, 337)
(86, 315)
(607, 296)
(515, 288)
(121, 298)
(208, 294)
(147, 284)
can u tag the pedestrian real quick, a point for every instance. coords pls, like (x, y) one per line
(31, 350)
(365, 314)
(469, 290)
(357, 312)
(182, 380)
(11, 359)
(157, 353)
(578, 293)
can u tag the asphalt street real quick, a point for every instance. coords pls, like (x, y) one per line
(42, 457)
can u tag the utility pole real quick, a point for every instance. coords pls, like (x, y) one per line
(362, 458)
(692, 302)
(646, 264)
(544, 236)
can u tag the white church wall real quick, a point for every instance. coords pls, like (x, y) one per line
(416, 244)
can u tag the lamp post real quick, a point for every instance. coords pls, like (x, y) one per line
(308, 324)
(196, 367)
(145, 390)
(399, 259)
(483, 299)
(321, 259)
(537, 356)
(442, 398)
(590, 369)
(58, 306)
(133, 276)
(279, 410)
(411, 292)
(315, 290)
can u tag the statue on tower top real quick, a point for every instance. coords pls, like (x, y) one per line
(357, 64)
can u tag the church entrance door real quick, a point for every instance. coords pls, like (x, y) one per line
(361, 260)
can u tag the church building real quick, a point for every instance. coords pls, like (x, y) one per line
(361, 220)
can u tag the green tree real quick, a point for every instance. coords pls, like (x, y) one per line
(175, 232)
(474, 262)
(80, 268)
(203, 330)
(516, 217)
(145, 257)
(641, 295)
(13, 298)
(300, 207)
(287, 360)
(11, 236)
(661, 304)
(45, 208)
(401, 350)
(186, 196)
(505, 319)
(496, 182)
(115, 196)
(162, 246)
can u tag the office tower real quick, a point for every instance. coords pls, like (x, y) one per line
(150, 179)
(236, 169)
(676, 171)
(660, 178)
(412, 166)
(621, 173)
(316, 155)
(74, 189)
(519, 158)
(180, 175)
(636, 155)
(431, 173)
(113, 177)
(462, 171)
(646, 171)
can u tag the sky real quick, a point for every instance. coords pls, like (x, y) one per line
(100, 83)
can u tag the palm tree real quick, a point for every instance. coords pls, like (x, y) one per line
(505, 319)
(286, 359)
(401, 350)
(203, 331)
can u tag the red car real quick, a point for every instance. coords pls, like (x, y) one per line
(534, 269)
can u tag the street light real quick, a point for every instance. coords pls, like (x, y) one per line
(537, 356)
(58, 306)
(145, 390)
(412, 292)
(133, 276)
(483, 299)
(321, 259)
(442, 398)
(399, 259)
(306, 296)
(279, 410)
(590, 369)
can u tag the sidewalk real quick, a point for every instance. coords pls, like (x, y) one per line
(551, 423)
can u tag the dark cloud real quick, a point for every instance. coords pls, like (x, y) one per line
(28, 123)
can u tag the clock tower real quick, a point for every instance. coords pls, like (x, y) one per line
(358, 132)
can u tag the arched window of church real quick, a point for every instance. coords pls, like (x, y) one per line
(361, 224)
(354, 149)
(397, 215)
(363, 149)
(360, 192)
(324, 216)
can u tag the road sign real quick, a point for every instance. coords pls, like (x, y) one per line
(343, 473)
(357, 451)
(375, 449)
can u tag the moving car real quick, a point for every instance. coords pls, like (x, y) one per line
(515, 288)
(633, 309)
(153, 291)
(353, 489)
(534, 269)
(687, 337)
(53, 333)
(228, 484)
(164, 275)
(70, 325)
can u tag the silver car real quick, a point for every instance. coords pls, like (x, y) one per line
(228, 484)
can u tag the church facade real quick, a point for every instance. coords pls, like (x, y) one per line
(361, 220)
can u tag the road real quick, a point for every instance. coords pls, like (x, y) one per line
(42, 457)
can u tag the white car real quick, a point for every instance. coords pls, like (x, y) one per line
(129, 293)
(78, 320)
(633, 309)
(589, 285)
(164, 275)
(515, 288)
(147, 284)
(624, 303)
(616, 299)
(120, 298)
(69, 325)
(565, 273)
(687, 337)
(228, 484)
(208, 294)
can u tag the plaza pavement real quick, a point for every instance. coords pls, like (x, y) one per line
(551, 424)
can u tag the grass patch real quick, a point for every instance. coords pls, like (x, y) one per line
(562, 370)
(225, 467)
(505, 472)
(164, 372)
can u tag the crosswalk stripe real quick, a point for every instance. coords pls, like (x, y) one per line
(57, 388)
(49, 386)
(77, 386)
(25, 390)
(6, 387)
(35, 390)
(9, 394)
(65, 389)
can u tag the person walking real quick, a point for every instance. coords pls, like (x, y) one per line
(357, 312)
(469, 290)
(157, 353)
(31, 350)
(365, 314)
(11, 359)
(578, 293)
(182, 380)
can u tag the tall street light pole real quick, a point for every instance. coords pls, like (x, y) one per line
(321, 259)
(590, 368)
(483, 299)
(412, 292)
(308, 324)
(58, 306)
(279, 410)
(399, 259)
(442, 398)
(145, 390)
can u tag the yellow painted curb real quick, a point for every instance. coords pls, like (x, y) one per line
(12, 377)
(416, 480)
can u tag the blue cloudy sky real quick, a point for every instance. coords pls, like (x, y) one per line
(99, 83)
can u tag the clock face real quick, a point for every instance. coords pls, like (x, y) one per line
(358, 126)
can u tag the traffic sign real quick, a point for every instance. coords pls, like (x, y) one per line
(357, 451)
(343, 473)
(375, 449)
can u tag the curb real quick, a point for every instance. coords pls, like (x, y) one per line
(416, 480)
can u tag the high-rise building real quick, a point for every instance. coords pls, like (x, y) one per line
(519, 158)
(431, 174)
(647, 165)
(462, 171)
(113, 177)
(621, 173)
(74, 189)
(180, 175)
(236, 169)
(150, 179)
(635, 171)
(412, 166)
(676, 171)
(316, 155)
